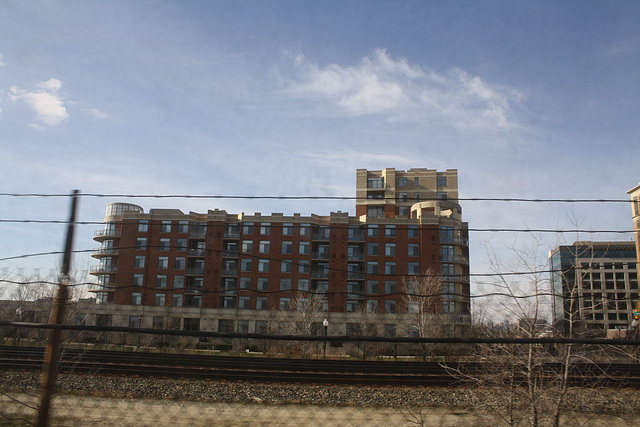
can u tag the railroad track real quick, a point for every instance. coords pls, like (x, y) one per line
(259, 369)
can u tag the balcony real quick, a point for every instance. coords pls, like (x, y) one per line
(195, 271)
(455, 240)
(230, 254)
(98, 269)
(100, 252)
(358, 256)
(196, 252)
(357, 235)
(105, 234)
(357, 275)
(229, 272)
(320, 255)
(232, 234)
(321, 236)
(198, 232)
(320, 274)
(455, 258)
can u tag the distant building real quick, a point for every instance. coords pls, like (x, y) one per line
(230, 272)
(594, 286)
(634, 193)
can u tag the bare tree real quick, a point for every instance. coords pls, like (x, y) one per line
(423, 296)
(302, 317)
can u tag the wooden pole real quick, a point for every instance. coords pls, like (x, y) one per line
(51, 355)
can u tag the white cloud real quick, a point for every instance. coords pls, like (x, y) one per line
(2, 63)
(399, 91)
(96, 113)
(45, 101)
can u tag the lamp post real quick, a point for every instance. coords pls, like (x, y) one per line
(325, 323)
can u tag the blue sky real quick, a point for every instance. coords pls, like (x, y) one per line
(535, 99)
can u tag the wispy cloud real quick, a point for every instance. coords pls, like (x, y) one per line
(45, 100)
(399, 91)
(96, 113)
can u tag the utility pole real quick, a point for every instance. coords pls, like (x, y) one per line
(51, 355)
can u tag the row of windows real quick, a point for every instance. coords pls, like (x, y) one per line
(378, 182)
(284, 304)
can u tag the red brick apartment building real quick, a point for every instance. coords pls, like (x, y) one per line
(232, 272)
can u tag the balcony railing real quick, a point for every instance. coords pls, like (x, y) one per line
(107, 233)
(103, 270)
(104, 251)
(232, 234)
(230, 254)
(198, 233)
(196, 252)
(358, 275)
(356, 257)
(319, 274)
(320, 255)
(456, 240)
(195, 271)
(357, 236)
(229, 272)
(455, 258)
(321, 236)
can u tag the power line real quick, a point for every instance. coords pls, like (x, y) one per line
(264, 197)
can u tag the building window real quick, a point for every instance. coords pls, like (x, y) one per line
(159, 300)
(442, 181)
(247, 246)
(143, 225)
(304, 248)
(136, 298)
(303, 285)
(165, 227)
(441, 196)
(413, 249)
(245, 283)
(389, 287)
(285, 284)
(372, 249)
(135, 321)
(416, 181)
(163, 262)
(390, 231)
(372, 287)
(287, 247)
(305, 229)
(448, 307)
(161, 281)
(265, 229)
(375, 212)
(285, 304)
(157, 322)
(139, 261)
(416, 197)
(390, 249)
(138, 279)
(261, 304)
(165, 244)
(263, 266)
(447, 253)
(180, 263)
(141, 243)
(372, 268)
(183, 226)
(247, 228)
(413, 231)
(178, 282)
(390, 306)
(181, 245)
(264, 247)
(414, 268)
(372, 306)
(263, 284)
(449, 271)
(372, 230)
(287, 229)
(402, 197)
(304, 266)
(245, 265)
(376, 182)
(402, 181)
(285, 266)
(228, 302)
(176, 301)
(389, 330)
(243, 326)
(389, 268)
(403, 211)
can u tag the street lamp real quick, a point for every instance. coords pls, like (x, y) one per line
(325, 323)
